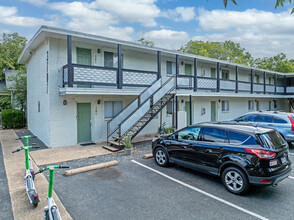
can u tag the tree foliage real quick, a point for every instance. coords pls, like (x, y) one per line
(278, 63)
(11, 46)
(5, 102)
(228, 51)
(278, 3)
(146, 42)
(19, 87)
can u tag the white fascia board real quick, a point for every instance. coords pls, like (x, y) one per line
(93, 91)
(237, 95)
(46, 30)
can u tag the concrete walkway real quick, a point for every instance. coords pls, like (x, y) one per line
(15, 171)
(69, 153)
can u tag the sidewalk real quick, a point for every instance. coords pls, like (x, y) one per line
(15, 171)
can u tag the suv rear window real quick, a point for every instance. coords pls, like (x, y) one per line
(273, 140)
(264, 118)
(279, 120)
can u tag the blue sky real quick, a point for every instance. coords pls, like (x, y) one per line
(255, 24)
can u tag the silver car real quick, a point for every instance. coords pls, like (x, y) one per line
(283, 122)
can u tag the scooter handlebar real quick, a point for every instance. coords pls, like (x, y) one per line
(15, 151)
(63, 166)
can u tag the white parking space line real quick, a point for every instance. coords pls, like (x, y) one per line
(291, 154)
(202, 192)
(291, 177)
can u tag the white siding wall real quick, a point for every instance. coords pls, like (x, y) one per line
(38, 122)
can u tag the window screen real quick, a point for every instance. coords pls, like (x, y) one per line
(225, 106)
(169, 108)
(111, 109)
(215, 135)
(250, 105)
(170, 68)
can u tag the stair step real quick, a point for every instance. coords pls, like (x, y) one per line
(117, 137)
(133, 130)
(112, 149)
(142, 121)
(115, 143)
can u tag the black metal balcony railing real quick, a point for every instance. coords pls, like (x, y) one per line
(105, 76)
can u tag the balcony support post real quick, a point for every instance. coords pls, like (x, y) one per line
(176, 112)
(190, 99)
(158, 65)
(217, 77)
(119, 68)
(276, 83)
(285, 85)
(237, 86)
(177, 69)
(264, 82)
(70, 70)
(251, 81)
(195, 74)
(173, 112)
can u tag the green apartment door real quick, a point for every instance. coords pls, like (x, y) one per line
(84, 122)
(213, 111)
(83, 56)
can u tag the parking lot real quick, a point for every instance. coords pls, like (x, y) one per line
(139, 189)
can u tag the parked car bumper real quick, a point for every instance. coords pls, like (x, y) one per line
(254, 180)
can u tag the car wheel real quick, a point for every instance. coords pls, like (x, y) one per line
(235, 180)
(290, 144)
(161, 157)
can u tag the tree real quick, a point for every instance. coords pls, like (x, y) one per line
(278, 63)
(278, 3)
(228, 51)
(19, 88)
(146, 42)
(11, 46)
(5, 102)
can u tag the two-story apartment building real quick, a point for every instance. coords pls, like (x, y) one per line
(88, 88)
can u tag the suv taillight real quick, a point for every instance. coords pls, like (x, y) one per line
(262, 154)
(292, 122)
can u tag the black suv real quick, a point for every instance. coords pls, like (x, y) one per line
(240, 154)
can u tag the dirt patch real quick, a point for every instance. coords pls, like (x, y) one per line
(108, 173)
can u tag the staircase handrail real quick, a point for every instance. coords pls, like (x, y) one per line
(171, 78)
(131, 107)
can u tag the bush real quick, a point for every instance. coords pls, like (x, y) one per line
(169, 130)
(127, 142)
(5, 102)
(12, 118)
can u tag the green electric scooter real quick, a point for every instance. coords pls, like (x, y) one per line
(29, 177)
(51, 211)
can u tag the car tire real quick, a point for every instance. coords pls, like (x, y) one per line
(235, 180)
(161, 157)
(290, 144)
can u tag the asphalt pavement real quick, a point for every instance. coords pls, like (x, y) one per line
(132, 191)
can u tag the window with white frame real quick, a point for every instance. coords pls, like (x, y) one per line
(112, 108)
(170, 68)
(225, 106)
(225, 74)
(111, 59)
(250, 105)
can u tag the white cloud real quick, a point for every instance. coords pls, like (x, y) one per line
(261, 33)
(9, 16)
(36, 2)
(180, 14)
(142, 11)
(81, 17)
(167, 38)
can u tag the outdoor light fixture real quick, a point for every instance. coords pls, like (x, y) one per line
(182, 62)
(98, 50)
(182, 101)
(64, 102)
(98, 102)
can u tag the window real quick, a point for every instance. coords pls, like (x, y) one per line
(215, 135)
(256, 78)
(170, 68)
(275, 104)
(250, 105)
(191, 133)
(246, 118)
(225, 106)
(264, 118)
(188, 69)
(169, 108)
(111, 109)
(279, 120)
(236, 138)
(111, 59)
(225, 74)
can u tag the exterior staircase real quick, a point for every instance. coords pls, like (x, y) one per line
(291, 102)
(133, 118)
